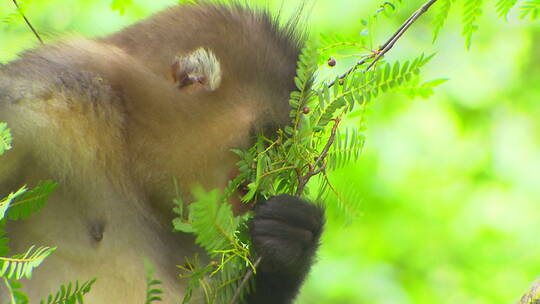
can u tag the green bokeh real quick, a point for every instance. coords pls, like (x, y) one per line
(450, 186)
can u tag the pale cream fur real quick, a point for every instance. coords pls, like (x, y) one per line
(201, 63)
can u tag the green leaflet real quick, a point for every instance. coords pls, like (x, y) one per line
(70, 293)
(21, 266)
(13, 288)
(440, 17)
(213, 221)
(530, 8)
(120, 5)
(6, 202)
(31, 201)
(153, 291)
(472, 10)
(5, 138)
(504, 6)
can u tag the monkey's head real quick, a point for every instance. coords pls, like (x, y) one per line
(224, 74)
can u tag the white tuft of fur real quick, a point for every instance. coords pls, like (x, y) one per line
(201, 64)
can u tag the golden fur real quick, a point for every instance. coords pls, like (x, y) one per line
(103, 118)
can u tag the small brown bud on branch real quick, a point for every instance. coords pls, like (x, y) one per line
(332, 62)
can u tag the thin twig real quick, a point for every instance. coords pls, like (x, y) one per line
(315, 169)
(387, 46)
(246, 278)
(28, 22)
(352, 69)
(10, 290)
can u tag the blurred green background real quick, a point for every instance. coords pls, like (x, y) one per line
(450, 187)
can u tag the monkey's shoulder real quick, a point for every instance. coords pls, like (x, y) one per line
(60, 110)
(61, 75)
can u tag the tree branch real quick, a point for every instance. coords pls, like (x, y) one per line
(27, 22)
(389, 44)
(314, 169)
(246, 278)
(317, 167)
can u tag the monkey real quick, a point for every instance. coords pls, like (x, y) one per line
(114, 120)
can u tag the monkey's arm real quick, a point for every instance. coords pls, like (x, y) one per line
(285, 232)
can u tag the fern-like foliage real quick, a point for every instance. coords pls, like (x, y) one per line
(439, 20)
(23, 203)
(6, 202)
(424, 90)
(120, 5)
(22, 265)
(182, 222)
(4, 249)
(348, 146)
(351, 95)
(153, 291)
(13, 288)
(9, 19)
(530, 9)
(504, 6)
(17, 205)
(213, 223)
(341, 45)
(273, 166)
(304, 80)
(386, 8)
(197, 276)
(29, 202)
(5, 138)
(361, 87)
(473, 11)
(14, 16)
(471, 14)
(226, 281)
(217, 231)
(312, 144)
(70, 294)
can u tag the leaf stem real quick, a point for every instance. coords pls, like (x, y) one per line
(389, 44)
(10, 290)
(28, 22)
(317, 168)
(246, 278)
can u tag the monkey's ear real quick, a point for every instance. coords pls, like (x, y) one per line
(199, 68)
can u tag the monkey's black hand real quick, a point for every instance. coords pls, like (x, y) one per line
(285, 232)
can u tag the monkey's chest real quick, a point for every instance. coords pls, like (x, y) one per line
(111, 249)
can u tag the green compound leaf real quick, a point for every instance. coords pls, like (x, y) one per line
(22, 265)
(5, 138)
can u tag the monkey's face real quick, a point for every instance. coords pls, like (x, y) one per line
(210, 115)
